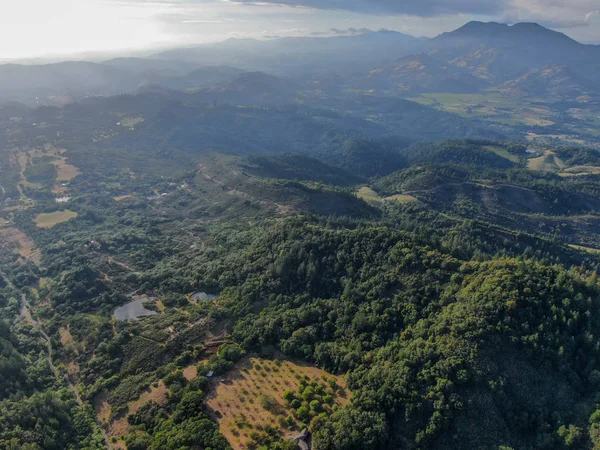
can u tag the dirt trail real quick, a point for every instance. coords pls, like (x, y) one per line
(26, 314)
(465, 183)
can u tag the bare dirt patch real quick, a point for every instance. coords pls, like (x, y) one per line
(190, 373)
(102, 408)
(250, 397)
(66, 339)
(66, 171)
(13, 239)
(26, 314)
(119, 426)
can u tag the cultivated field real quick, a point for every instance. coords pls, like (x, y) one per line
(250, 398)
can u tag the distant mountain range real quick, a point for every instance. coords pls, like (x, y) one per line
(523, 59)
(500, 52)
(299, 55)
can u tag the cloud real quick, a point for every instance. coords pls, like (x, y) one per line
(553, 13)
(421, 8)
(201, 21)
(350, 31)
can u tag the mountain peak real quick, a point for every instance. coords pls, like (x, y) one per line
(495, 30)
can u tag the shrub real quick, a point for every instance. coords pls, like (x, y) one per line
(303, 413)
(289, 396)
(268, 402)
(296, 404)
(315, 406)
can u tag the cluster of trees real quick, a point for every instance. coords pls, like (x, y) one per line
(182, 423)
(312, 400)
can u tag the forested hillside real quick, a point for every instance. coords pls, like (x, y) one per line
(243, 260)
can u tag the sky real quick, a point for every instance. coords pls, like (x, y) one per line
(52, 28)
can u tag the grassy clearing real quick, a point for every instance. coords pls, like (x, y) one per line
(190, 373)
(550, 138)
(502, 152)
(66, 339)
(23, 159)
(120, 198)
(493, 105)
(44, 281)
(119, 426)
(594, 251)
(548, 162)
(369, 196)
(581, 170)
(130, 122)
(48, 220)
(66, 171)
(401, 198)
(374, 199)
(250, 398)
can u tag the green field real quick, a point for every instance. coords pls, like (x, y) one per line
(500, 151)
(373, 198)
(494, 105)
(48, 220)
(548, 162)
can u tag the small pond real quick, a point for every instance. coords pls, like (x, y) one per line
(202, 296)
(133, 310)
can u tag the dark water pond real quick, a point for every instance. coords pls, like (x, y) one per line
(133, 310)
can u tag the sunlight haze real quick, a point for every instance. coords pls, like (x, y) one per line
(41, 28)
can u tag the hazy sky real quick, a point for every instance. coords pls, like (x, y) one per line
(61, 27)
